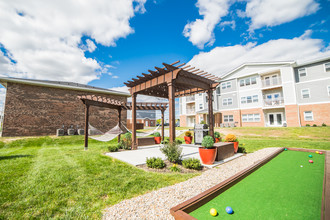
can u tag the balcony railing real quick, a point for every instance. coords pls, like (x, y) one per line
(190, 98)
(273, 102)
(190, 111)
(271, 82)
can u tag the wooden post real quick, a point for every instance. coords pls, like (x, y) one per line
(86, 125)
(134, 140)
(119, 122)
(210, 106)
(171, 99)
(163, 129)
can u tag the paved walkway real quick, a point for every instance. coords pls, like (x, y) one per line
(139, 157)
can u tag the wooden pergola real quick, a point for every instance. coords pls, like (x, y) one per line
(172, 82)
(93, 100)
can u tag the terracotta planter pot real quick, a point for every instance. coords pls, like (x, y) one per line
(207, 155)
(157, 140)
(235, 147)
(188, 140)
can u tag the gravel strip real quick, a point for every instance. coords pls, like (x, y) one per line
(157, 204)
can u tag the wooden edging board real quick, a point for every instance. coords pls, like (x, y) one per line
(181, 211)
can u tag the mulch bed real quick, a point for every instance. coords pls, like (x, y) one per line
(168, 166)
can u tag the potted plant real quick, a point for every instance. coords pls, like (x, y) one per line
(232, 138)
(188, 137)
(207, 152)
(157, 137)
(217, 137)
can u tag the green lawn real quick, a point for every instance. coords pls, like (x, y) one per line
(55, 178)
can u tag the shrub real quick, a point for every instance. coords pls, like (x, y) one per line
(175, 168)
(157, 134)
(114, 147)
(192, 163)
(241, 149)
(308, 125)
(216, 134)
(167, 140)
(324, 125)
(203, 122)
(172, 152)
(178, 141)
(126, 142)
(155, 162)
(230, 138)
(314, 125)
(187, 134)
(207, 141)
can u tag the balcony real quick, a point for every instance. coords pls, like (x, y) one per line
(271, 82)
(274, 102)
(190, 111)
(190, 98)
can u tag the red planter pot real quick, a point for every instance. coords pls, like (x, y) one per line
(207, 155)
(188, 140)
(157, 140)
(235, 147)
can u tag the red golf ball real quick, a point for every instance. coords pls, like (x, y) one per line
(311, 161)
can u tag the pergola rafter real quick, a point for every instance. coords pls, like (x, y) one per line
(171, 82)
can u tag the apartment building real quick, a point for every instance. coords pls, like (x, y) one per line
(271, 94)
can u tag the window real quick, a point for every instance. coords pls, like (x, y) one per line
(328, 90)
(249, 99)
(227, 101)
(200, 94)
(218, 91)
(327, 67)
(308, 116)
(243, 100)
(255, 98)
(226, 85)
(248, 81)
(251, 117)
(228, 118)
(200, 106)
(305, 93)
(254, 80)
(241, 82)
(302, 72)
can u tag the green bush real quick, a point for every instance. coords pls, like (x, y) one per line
(241, 150)
(167, 140)
(126, 142)
(324, 125)
(203, 122)
(216, 134)
(207, 141)
(175, 168)
(308, 125)
(157, 134)
(172, 152)
(114, 147)
(155, 162)
(192, 163)
(178, 141)
(314, 125)
(2, 144)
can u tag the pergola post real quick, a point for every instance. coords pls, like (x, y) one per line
(86, 125)
(171, 100)
(210, 106)
(134, 140)
(119, 122)
(163, 129)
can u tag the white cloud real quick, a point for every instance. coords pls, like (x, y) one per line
(200, 31)
(275, 12)
(43, 36)
(115, 77)
(223, 59)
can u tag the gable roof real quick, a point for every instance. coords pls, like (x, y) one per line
(62, 85)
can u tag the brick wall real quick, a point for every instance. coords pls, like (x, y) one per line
(236, 114)
(292, 117)
(36, 110)
(183, 122)
(321, 114)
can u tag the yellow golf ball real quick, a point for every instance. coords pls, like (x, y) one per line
(316, 152)
(213, 212)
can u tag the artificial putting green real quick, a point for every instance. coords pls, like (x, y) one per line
(281, 189)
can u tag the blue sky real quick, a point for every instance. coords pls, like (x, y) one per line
(106, 42)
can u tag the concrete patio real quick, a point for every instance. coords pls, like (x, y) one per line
(139, 156)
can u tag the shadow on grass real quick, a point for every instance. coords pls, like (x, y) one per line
(13, 157)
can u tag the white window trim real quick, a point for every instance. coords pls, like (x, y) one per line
(305, 116)
(328, 90)
(245, 117)
(309, 94)
(325, 68)
(223, 101)
(305, 72)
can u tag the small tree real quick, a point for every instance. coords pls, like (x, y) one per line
(172, 152)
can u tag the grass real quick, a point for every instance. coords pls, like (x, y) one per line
(255, 138)
(55, 178)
